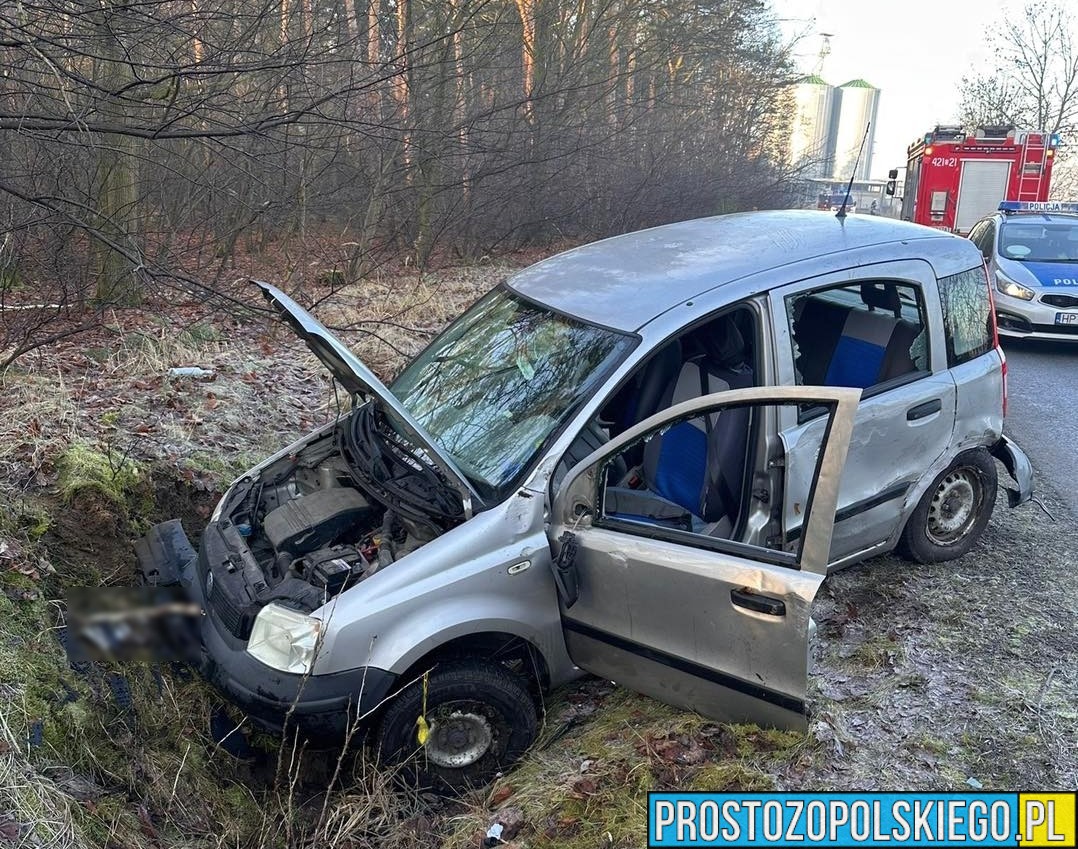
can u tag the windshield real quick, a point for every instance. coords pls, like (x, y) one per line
(501, 379)
(1029, 241)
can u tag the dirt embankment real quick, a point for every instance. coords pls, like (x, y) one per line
(953, 676)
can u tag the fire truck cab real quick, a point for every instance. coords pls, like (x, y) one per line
(955, 178)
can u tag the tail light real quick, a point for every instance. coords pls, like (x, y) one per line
(1003, 357)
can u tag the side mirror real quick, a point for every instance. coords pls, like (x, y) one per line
(892, 182)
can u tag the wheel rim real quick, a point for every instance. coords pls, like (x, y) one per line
(459, 736)
(955, 506)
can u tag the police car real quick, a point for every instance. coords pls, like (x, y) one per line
(1032, 254)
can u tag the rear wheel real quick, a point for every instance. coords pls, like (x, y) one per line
(953, 512)
(481, 718)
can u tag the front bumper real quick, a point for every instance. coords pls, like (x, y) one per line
(1018, 466)
(321, 707)
(1034, 319)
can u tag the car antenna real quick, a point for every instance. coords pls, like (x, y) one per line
(841, 214)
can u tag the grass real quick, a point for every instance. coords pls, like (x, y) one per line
(101, 470)
(587, 786)
(878, 652)
(154, 350)
(80, 764)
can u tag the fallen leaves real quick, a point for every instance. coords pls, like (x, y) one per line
(582, 788)
(505, 825)
(9, 829)
(684, 750)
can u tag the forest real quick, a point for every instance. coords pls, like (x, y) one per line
(146, 144)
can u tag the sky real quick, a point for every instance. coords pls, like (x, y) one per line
(915, 53)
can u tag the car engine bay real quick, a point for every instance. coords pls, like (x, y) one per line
(315, 522)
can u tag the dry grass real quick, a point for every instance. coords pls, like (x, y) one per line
(585, 784)
(928, 676)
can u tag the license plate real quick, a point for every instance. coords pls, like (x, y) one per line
(1067, 318)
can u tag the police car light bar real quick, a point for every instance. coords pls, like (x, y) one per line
(1009, 206)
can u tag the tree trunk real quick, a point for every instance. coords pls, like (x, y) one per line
(116, 175)
(527, 10)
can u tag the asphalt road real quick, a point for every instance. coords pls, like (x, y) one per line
(1043, 411)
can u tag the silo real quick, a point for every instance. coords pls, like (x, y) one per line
(856, 103)
(810, 133)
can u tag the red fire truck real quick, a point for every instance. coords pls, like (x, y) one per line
(953, 179)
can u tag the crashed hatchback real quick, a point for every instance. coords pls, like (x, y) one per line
(639, 459)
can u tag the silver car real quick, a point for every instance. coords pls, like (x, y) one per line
(639, 458)
(1032, 254)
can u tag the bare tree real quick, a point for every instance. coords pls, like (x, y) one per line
(1034, 84)
(147, 144)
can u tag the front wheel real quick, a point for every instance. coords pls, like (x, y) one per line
(953, 512)
(481, 718)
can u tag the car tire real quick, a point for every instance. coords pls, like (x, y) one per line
(953, 512)
(481, 717)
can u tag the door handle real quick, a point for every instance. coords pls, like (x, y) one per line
(924, 410)
(758, 603)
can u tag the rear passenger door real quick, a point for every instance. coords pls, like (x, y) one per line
(870, 328)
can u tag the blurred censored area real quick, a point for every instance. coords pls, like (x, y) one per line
(131, 624)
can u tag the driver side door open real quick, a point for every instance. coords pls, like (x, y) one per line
(679, 611)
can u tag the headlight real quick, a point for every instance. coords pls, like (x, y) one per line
(1015, 290)
(284, 639)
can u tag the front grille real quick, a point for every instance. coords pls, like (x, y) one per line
(228, 599)
(236, 618)
(1064, 301)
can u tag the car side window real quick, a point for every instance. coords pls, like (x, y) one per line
(716, 355)
(967, 315)
(705, 481)
(982, 235)
(858, 334)
(989, 241)
(692, 476)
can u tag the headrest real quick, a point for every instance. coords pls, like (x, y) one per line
(882, 295)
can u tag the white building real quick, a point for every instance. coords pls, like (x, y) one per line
(810, 134)
(856, 103)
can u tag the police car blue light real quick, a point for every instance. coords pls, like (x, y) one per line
(1011, 206)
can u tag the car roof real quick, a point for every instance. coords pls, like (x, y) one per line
(626, 281)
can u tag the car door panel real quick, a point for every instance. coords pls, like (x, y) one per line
(979, 408)
(631, 590)
(889, 452)
(902, 426)
(723, 629)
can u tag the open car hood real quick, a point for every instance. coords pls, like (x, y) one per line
(357, 379)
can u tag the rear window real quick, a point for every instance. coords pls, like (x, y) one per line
(967, 315)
